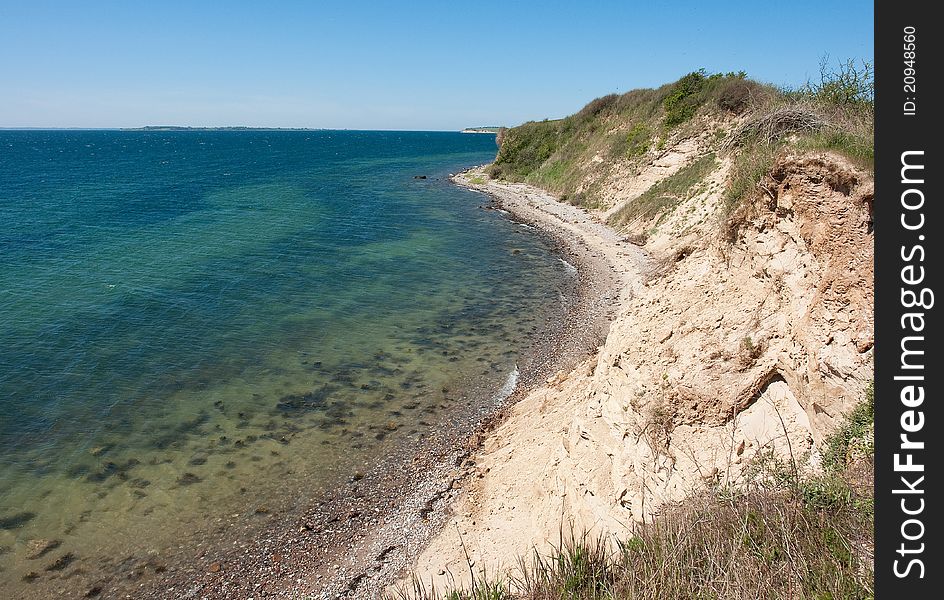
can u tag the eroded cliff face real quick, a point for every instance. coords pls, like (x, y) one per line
(753, 333)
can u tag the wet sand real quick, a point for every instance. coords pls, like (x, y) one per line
(362, 537)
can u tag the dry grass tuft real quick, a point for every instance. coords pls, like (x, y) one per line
(769, 126)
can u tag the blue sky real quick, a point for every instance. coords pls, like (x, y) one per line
(389, 65)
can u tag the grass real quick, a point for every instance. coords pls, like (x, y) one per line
(855, 144)
(835, 114)
(784, 534)
(856, 429)
(684, 99)
(633, 144)
(668, 193)
(747, 170)
(558, 155)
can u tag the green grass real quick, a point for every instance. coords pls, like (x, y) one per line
(557, 154)
(563, 155)
(553, 175)
(668, 193)
(840, 118)
(633, 144)
(747, 170)
(857, 145)
(524, 149)
(684, 99)
(858, 425)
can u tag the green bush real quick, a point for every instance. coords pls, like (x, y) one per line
(525, 148)
(684, 99)
(858, 425)
(637, 141)
(849, 84)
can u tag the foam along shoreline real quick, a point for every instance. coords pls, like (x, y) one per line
(607, 270)
(611, 270)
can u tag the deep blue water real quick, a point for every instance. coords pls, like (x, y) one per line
(185, 312)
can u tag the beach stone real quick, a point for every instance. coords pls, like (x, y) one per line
(40, 547)
(62, 562)
(300, 403)
(214, 567)
(188, 479)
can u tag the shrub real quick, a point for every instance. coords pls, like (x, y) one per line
(683, 100)
(632, 144)
(849, 84)
(524, 149)
(858, 425)
(736, 95)
(638, 141)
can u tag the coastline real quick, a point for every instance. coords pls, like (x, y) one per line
(611, 270)
(364, 537)
(674, 401)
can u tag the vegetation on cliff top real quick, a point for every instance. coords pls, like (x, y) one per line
(752, 123)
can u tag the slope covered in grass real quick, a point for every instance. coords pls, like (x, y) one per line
(746, 122)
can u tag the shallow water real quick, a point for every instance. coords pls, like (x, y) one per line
(199, 327)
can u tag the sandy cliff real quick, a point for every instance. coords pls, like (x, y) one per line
(736, 334)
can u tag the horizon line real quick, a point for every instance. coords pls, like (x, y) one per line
(221, 128)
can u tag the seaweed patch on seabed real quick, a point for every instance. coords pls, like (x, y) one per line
(17, 520)
(298, 404)
(111, 468)
(172, 435)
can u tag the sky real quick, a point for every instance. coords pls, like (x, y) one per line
(420, 65)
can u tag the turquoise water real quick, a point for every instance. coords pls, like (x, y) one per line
(202, 322)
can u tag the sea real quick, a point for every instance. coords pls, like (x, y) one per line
(196, 324)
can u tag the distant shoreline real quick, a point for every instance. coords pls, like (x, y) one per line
(491, 130)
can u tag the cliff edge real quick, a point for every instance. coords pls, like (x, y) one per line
(750, 334)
